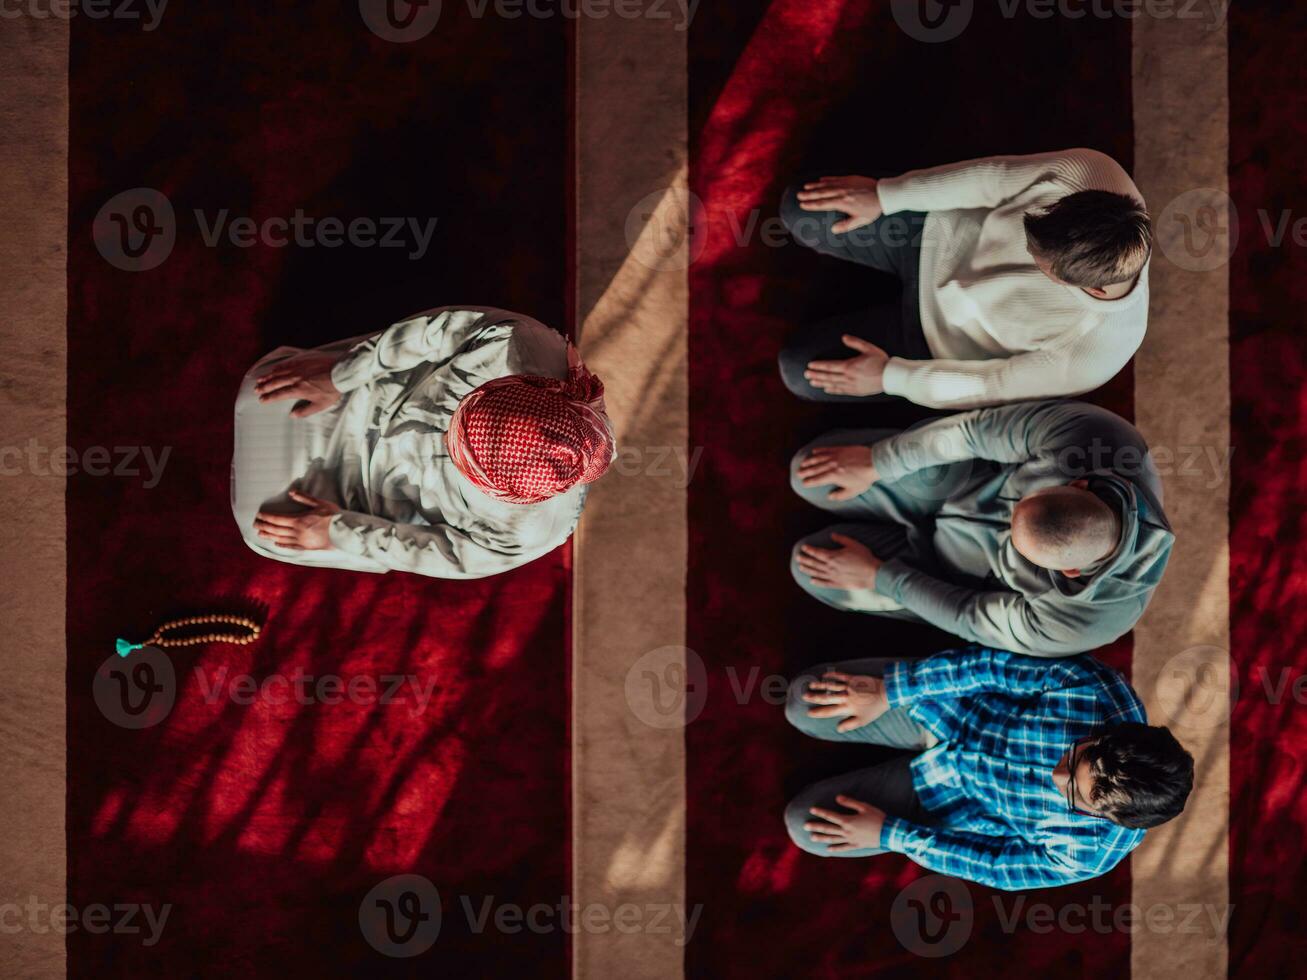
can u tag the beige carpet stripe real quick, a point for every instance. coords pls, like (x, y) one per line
(629, 614)
(1182, 404)
(33, 414)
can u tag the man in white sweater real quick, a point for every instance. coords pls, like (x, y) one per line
(1024, 277)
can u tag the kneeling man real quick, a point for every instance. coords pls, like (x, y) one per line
(1022, 277)
(1035, 527)
(1025, 773)
(457, 444)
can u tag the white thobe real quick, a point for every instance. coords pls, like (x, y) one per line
(380, 452)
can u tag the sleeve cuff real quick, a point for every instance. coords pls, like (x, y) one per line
(883, 459)
(898, 684)
(890, 192)
(890, 579)
(347, 373)
(896, 378)
(897, 834)
(347, 536)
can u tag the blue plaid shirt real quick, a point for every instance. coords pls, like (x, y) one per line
(1004, 721)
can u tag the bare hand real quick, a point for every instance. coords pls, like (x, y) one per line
(848, 468)
(307, 531)
(862, 374)
(855, 196)
(849, 567)
(847, 831)
(306, 377)
(857, 698)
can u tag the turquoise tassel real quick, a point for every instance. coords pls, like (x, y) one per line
(124, 648)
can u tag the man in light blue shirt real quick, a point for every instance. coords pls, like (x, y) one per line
(1036, 527)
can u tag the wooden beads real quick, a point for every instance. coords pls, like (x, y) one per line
(240, 639)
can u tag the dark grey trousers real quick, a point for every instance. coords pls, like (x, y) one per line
(891, 245)
(888, 785)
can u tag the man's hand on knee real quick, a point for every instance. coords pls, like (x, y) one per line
(850, 566)
(306, 378)
(857, 698)
(849, 469)
(855, 196)
(307, 531)
(860, 375)
(854, 831)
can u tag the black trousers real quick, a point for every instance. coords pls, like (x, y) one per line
(891, 245)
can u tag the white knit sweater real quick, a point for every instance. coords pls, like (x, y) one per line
(999, 329)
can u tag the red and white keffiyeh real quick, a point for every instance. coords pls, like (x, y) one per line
(525, 438)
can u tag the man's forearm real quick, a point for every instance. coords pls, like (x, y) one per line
(986, 182)
(979, 670)
(1000, 862)
(946, 440)
(960, 385)
(981, 617)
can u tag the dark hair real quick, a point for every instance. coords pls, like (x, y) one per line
(1092, 238)
(1142, 775)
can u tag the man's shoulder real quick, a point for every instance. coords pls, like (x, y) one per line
(1086, 169)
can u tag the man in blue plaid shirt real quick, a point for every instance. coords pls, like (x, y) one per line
(1027, 772)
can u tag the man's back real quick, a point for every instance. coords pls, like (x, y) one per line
(990, 460)
(1003, 722)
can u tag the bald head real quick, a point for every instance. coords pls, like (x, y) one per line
(1064, 528)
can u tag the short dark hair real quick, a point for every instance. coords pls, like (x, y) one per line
(1092, 238)
(1142, 775)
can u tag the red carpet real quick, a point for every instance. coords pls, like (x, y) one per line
(1268, 567)
(777, 89)
(265, 825)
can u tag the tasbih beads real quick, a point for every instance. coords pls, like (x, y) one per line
(247, 631)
